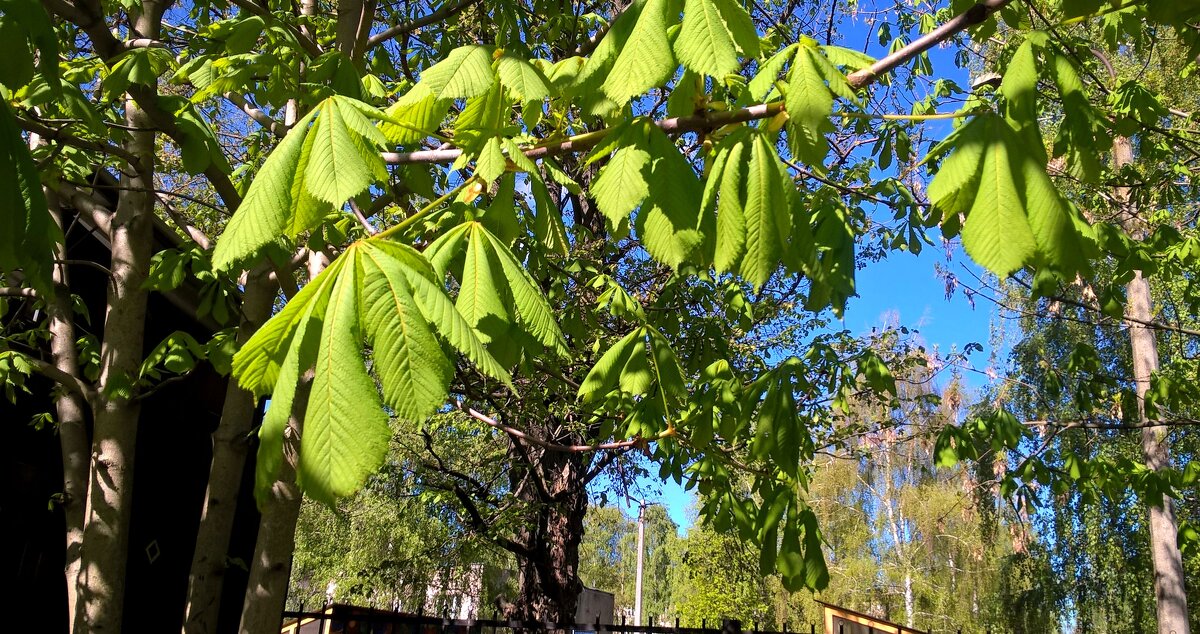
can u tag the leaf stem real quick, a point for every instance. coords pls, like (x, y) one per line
(907, 117)
(424, 211)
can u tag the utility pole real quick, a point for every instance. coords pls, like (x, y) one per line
(637, 596)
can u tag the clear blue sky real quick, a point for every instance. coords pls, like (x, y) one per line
(905, 285)
(902, 286)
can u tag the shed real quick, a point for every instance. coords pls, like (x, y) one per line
(839, 620)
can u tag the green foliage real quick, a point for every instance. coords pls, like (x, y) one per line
(385, 294)
(309, 176)
(27, 232)
(675, 280)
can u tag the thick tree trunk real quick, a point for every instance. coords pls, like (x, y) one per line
(71, 410)
(548, 577)
(230, 447)
(266, 591)
(1170, 591)
(110, 488)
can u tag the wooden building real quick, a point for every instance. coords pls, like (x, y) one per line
(839, 620)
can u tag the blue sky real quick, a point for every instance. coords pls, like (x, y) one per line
(903, 287)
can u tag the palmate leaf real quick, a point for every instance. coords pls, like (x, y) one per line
(345, 433)
(312, 172)
(809, 104)
(409, 121)
(377, 292)
(996, 233)
(621, 185)
(27, 232)
(1014, 214)
(499, 289)
(641, 363)
(713, 35)
(645, 59)
(466, 72)
(524, 81)
(670, 223)
(754, 206)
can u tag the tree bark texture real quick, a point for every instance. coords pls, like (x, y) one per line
(101, 584)
(229, 451)
(110, 488)
(548, 575)
(266, 590)
(1170, 588)
(71, 410)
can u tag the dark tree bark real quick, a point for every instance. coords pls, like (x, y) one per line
(548, 574)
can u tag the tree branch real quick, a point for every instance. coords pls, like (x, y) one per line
(516, 433)
(11, 291)
(400, 30)
(975, 15)
(73, 384)
(712, 120)
(260, 117)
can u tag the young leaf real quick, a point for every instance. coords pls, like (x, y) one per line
(729, 177)
(669, 223)
(606, 373)
(257, 364)
(411, 366)
(522, 80)
(996, 233)
(345, 434)
(466, 72)
(714, 33)
(299, 357)
(767, 213)
(809, 104)
(621, 185)
(27, 232)
(304, 178)
(645, 60)
(534, 312)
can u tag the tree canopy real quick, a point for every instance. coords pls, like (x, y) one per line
(599, 235)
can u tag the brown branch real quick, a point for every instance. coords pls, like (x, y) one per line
(60, 135)
(73, 384)
(708, 121)
(516, 433)
(11, 291)
(975, 15)
(401, 30)
(260, 117)
(591, 139)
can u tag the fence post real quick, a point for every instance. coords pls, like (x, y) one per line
(704, 624)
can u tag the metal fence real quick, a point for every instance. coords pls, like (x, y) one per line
(345, 619)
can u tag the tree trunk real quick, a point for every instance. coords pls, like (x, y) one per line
(548, 578)
(1170, 592)
(71, 410)
(266, 590)
(110, 489)
(230, 446)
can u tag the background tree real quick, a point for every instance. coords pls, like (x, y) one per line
(684, 167)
